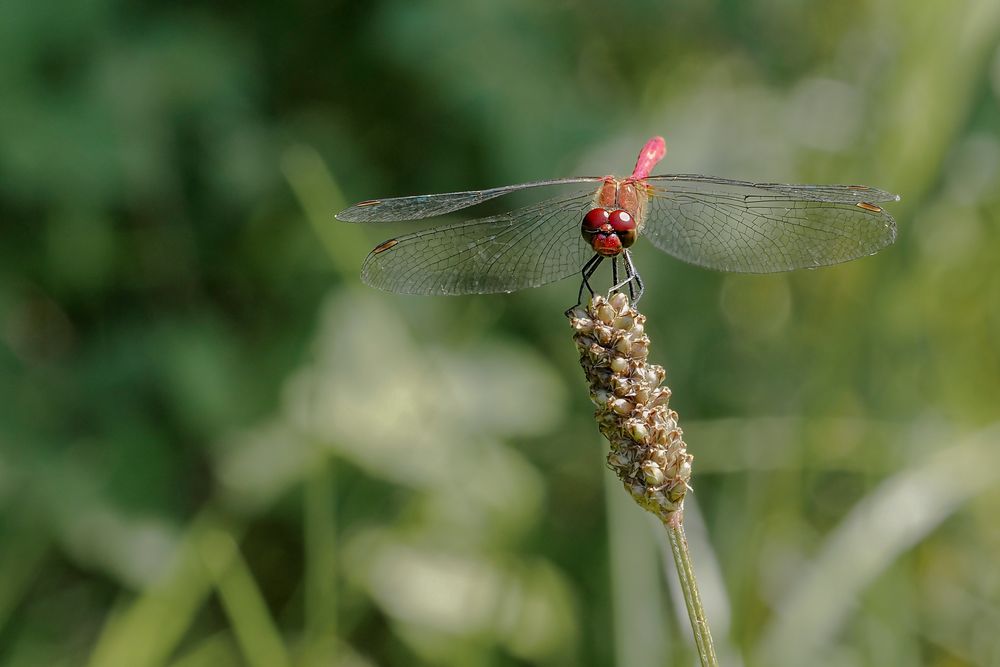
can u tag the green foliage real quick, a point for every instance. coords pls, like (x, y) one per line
(216, 448)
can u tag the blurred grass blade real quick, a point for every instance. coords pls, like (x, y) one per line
(148, 630)
(320, 566)
(642, 628)
(23, 553)
(219, 650)
(320, 198)
(252, 625)
(930, 97)
(903, 510)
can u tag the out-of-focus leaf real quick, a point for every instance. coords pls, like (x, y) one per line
(900, 512)
(437, 597)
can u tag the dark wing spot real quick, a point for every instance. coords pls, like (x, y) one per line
(384, 245)
(368, 202)
(869, 207)
(863, 188)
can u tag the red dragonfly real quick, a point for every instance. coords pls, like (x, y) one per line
(713, 222)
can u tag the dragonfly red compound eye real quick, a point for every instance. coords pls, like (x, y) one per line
(625, 227)
(595, 219)
(621, 221)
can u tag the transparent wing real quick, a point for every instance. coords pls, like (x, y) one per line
(398, 209)
(765, 227)
(848, 194)
(524, 248)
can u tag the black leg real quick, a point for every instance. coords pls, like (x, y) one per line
(629, 275)
(635, 278)
(632, 279)
(614, 271)
(586, 272)
(616, 286)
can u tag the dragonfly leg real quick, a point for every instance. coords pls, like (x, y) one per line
(632, 279)
(586, 272)
(635, 280)
(614, 272)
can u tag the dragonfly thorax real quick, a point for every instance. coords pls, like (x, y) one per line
(609, 232)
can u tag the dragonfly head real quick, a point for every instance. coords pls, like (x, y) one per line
(608, 232)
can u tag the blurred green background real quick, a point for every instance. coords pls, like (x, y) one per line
(218, 448)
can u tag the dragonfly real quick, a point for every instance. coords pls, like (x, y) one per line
(715, 223)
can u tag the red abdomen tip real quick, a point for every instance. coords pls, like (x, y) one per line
(654, 151)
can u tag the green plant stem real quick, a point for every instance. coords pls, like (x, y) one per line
(319, 641)
(255, 631)
(689, 585)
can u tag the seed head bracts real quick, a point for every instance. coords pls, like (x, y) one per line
(647, 449)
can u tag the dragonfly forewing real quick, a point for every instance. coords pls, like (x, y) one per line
(397, 209)
(695, 184)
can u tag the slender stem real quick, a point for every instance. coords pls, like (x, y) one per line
(692, 599)
(319, 641)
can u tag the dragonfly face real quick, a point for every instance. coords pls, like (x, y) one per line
(609, 232)
(614, 225)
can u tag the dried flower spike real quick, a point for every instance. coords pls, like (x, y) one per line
(647, 449)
